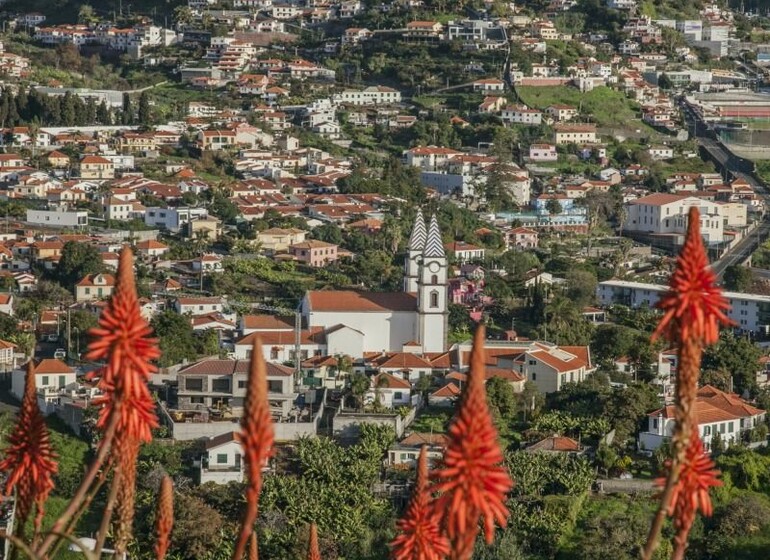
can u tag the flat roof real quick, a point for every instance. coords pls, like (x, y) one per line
(662, 288)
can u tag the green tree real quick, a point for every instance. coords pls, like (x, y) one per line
(144, 113)
(77, 260)
(8, 326)
(664, 82)
(359, 385)
(553, 206)
(177, 338)
(738, 278)
(501, 399)
(738, 355)
(581, 286)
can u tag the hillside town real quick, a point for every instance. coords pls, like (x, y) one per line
(357, 185)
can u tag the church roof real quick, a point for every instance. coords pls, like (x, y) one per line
(433, 245)
(349, 300)
(419, 233)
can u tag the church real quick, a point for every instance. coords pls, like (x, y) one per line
(356, 322)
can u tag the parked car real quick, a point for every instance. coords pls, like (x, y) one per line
(60, 354)
(52, 338)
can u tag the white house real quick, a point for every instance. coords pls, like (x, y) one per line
(520, 114)
(198, 305)
(60, 217)
(51, 376)
(661, 152)
(222, 460)
(663, 213)
(389, 390)
(6, 304)
(717, 412)
(94, 286)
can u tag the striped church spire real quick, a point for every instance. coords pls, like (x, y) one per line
(433, 245)
(419, 233)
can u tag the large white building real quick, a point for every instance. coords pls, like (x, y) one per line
(750, 312)
(666, 214)
(718, 413)
(372, 95)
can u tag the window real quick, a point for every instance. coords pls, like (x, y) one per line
(221, 458)
(193, 384)
(398, 395)
(532, 362)
(534, 377)
(434, 299)
(275, 386)
(88, 291)
(63, 382)
(707, 431)
(241, 383)
(722, 428)
(563, 377)
(654, 423)
(274, 353)
(730, 427)
(221, 385)
(434, 279)
(44, 381)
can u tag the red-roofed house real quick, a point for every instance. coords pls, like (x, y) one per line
(389, 390)
(445, 396)
(94, 286)
(51, 375)
(96, 167)
(718, 412)
(406, 451)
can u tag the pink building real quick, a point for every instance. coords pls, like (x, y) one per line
(543, 152)
(522, 238)
(314, 253)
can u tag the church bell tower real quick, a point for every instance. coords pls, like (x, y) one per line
(433, 291)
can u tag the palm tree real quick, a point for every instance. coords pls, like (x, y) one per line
(359, 385)
(25, 342)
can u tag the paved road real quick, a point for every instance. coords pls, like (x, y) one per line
(746, 247)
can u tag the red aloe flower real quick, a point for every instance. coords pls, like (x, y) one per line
(697, 474)
(29, 460)
(694, 305)
(256, 439)
(420, 537)
(123, 340)
(471, 480)
(313, 552)
(164, 521)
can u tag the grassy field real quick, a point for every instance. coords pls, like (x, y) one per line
(608, 107)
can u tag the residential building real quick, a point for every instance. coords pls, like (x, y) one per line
(222, 461)
(522, 238)
(314, 253)
(575, 134)
(749, 312)
(717, 412)
(547, 365)
(561, 113)
(661, 152)
(277, 240)
(465, 252)
(60, 217)
(489, 85)
(173, 219)
(520, 114)
(94, 286)
(543, 153)
(216, 139)
(96, 167)
(221, 385)
(406, 451)
(51, 376)
(666, 214)
(389, 391)
(372, 95)
(198, 305)
(423, 30)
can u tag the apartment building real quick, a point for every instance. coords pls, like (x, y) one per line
(666, 214)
